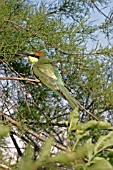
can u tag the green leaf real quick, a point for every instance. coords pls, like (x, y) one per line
(93, 123)
(105, 125)
(46, 148)
(100, 164)
(45, 153)
(73, 119)
(90, 149)
(27, 160)
(81, 152)
(89, 125)
(63, 158)
(4, 130)
(104, 142)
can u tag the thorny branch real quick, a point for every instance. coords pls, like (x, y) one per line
(4, 167)
(102, 12)
(20, 79)
(18, 125)
(32, 80)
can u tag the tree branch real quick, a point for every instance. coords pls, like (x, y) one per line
(20, 79)
(102, 12)
(37, 81)
(15, 144)
(4, 167)
(18, 125)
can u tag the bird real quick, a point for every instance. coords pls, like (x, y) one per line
(45, 70)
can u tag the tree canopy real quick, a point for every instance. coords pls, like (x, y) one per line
(79, 35)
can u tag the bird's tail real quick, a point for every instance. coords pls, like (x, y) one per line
(72, 101)
(68, 96)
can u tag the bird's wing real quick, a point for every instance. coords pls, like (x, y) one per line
(58, 75)
(48, 71)
(47, 75)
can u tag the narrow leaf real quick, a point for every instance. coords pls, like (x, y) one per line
(90, 149)
(46, 148)
(73, 119)
(4, 130)
(100, 164)
(63, 158)
(104, 142)
(27, 160)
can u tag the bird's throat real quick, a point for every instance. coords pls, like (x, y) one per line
(32, 59)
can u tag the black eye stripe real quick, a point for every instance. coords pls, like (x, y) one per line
(34, 55)
(37, 56)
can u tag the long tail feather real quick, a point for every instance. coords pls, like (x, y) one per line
(68, 96)
(72, 101)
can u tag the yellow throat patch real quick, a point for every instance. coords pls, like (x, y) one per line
(32, 59)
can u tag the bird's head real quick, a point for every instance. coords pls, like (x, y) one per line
(34, 56)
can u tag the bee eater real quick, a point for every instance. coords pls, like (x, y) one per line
(44, 69)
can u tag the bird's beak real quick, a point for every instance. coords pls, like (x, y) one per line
(33, 58)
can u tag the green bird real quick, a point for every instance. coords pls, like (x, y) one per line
(44, 69)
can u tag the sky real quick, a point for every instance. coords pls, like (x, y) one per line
(95, 16)
(99, 18)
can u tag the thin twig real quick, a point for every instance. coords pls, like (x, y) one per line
(102, 12)
(24, 28)
(37, 81)
(5, 167)
(20, 79)
(17, 124)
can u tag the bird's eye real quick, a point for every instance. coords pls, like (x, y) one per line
(32, 55)
(27, 54)
(36, 56)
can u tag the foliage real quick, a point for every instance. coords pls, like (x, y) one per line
(4, 131)
(63, 30)
(85, 152)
